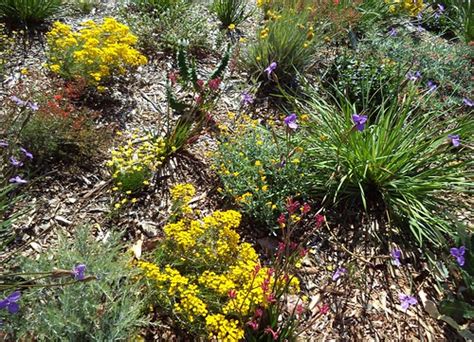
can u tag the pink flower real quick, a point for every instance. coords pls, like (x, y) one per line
(319, 219)
(232, 294)
(253, 325)
(214, 83)
(269, 330)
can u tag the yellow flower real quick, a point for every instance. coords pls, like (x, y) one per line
(231, 27)
(55, 68)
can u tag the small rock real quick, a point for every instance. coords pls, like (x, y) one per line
(63, 221)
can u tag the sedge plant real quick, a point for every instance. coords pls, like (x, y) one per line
(230, 12)
(28, 12)
(408, 163)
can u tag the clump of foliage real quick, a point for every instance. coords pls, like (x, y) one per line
(230, 12)
(95, 53)
(28, 12)
(51, 126)
(157, 30)
(134, 163)
(406, 159)
(83, 290)
(260, 169)
(444, 64)
(365, 78)
(287, 39)
(214, 284)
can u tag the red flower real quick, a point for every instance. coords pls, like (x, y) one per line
(303, 252)
(200, 84)
(232, 294)
(299, 309)
(281, 219)
(292, 206)
(269, 330)
(258, 313)
(173, 77)
(256, 269)
(306, 208)
(271, 298)
(253, 325)
(324, 309)
(214, 83)
(319, 220)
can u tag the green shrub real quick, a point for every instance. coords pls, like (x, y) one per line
(287, 40)
(154, 5)
(230, 11)
(104, 309)
(365, 78)
(260, 171)
(28, 11)
(439, 61)
(403, 162)
(157, 30)
(46, 120)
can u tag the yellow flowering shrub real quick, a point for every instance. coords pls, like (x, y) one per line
(133, 164)
(412, 7)
(93, 53)
(212, 282)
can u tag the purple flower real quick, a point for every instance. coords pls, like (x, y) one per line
(431, 86)
(396, 254)
(290, 121)
(439, 11)
(271, 68)
(406, 301)
(468, 102)
(458, 253)
(455, 140)
(18, 180)
(79, 272)
(10, 303)
(339, 272)
(3, 143)
(359, 121)
(414, 76)
(392, 32)
(33, 106)
(18, 101)
(247, 99)
(15, 162)
(26, 153)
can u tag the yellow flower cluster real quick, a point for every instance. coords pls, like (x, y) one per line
(181, 194)
(412, 7)
(224, 329)
(94, 53)
(133, 163)
(215, 277)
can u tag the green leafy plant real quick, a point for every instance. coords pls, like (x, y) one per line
(287, 39)
(260, 169)
(447, 65)
(104, 305)
(399, 159)
(365, 79)
(28, 12)
(157, 30)
(230, 12)
(155, 5)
